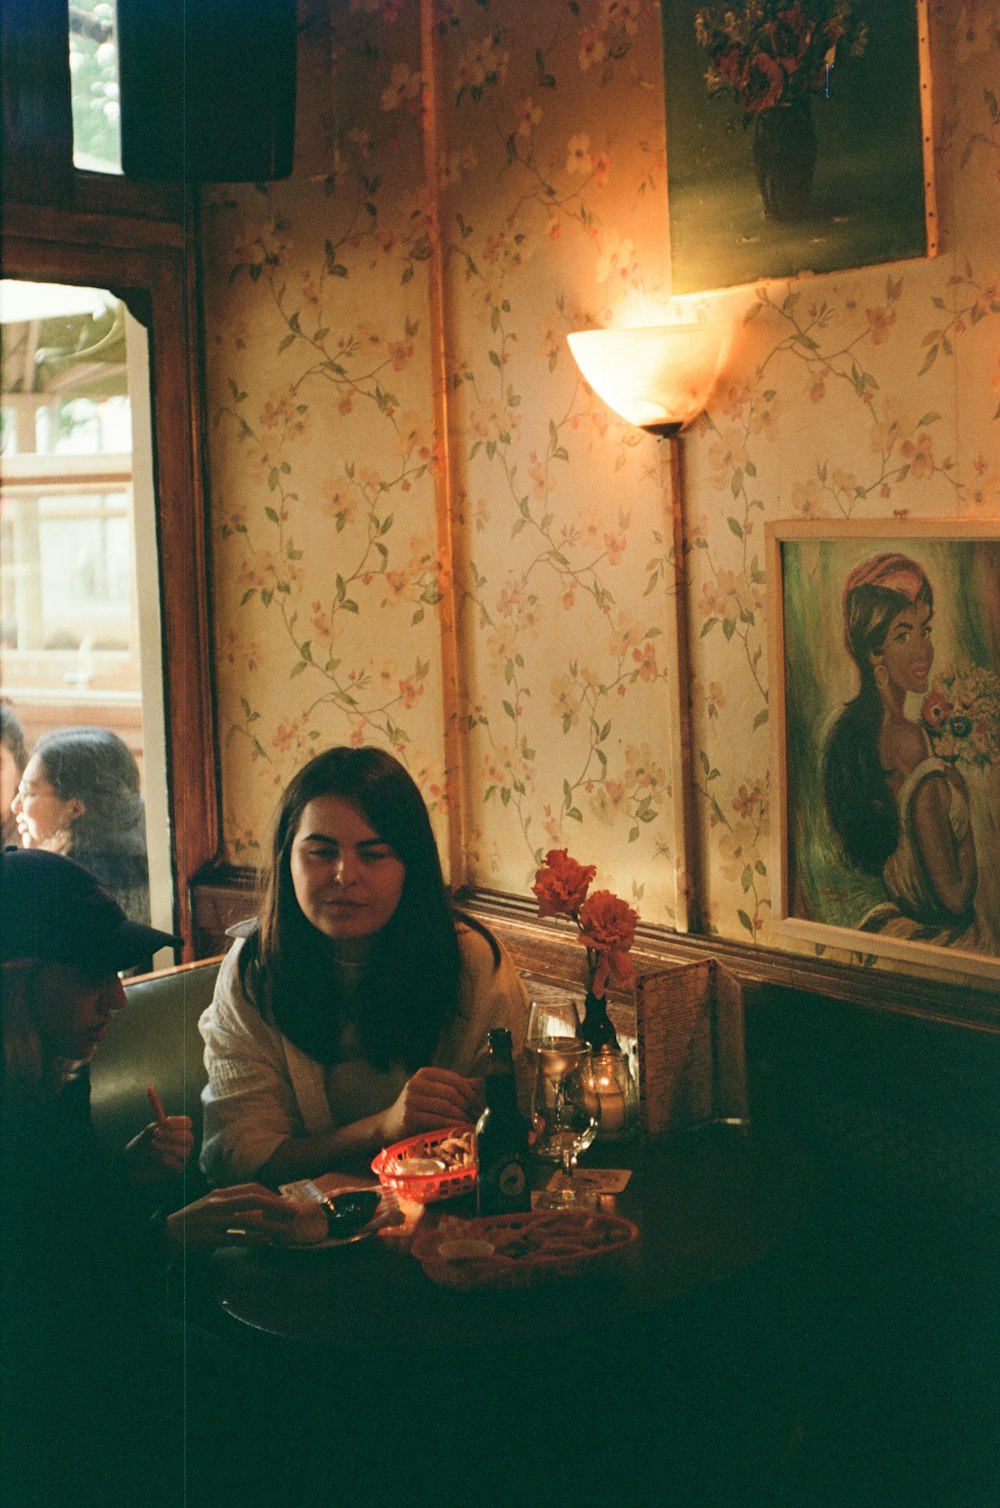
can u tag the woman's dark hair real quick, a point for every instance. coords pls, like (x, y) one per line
(410, 989)
(12, 735)
(109, 838)
(861, 807)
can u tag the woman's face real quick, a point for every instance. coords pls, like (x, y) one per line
(39, 812)
(347, 879)
(908, 653)
(75, 1009)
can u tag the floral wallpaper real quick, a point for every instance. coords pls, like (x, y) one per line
(428, 532)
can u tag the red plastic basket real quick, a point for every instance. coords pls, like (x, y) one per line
(520, 1251)
(424, 1188)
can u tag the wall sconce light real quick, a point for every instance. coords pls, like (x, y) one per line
(660, 378)
(656, 376)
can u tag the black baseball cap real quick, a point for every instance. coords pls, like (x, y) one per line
(53, 910)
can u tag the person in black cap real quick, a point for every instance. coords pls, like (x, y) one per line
(82, 1264)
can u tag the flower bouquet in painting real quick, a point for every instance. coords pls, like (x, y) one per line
(771, 57)
(961, 714)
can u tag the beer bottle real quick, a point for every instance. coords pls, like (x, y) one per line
(502, 1136)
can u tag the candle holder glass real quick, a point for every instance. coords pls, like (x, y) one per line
(613, 1084)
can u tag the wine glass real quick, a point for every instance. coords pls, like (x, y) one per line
(564, 1113)
(553, 1023)
(551, 1018)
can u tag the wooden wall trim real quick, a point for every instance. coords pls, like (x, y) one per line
(758, 968)
(223, 896)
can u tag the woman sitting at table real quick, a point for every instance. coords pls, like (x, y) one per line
(84, 1267)
(354, 1011)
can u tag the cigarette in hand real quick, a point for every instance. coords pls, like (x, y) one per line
(157, 1104)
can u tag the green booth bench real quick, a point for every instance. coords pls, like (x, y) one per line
(155, 1040)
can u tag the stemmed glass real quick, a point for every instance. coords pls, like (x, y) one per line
(564, 1109)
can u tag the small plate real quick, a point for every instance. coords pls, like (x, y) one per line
(387, 1212)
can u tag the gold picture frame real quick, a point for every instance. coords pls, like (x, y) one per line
(909, 892)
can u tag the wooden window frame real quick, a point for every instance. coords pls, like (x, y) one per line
(151, 265)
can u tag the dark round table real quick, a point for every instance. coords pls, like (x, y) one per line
(708, 1204)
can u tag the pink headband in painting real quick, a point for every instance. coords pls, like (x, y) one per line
(896, 573)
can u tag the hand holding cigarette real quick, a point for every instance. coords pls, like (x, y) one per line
(165, 1145)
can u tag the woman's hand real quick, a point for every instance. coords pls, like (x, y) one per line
(246, 1214)
(160, 1150)
(432, 1098)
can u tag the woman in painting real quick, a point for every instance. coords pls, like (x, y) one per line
(898, 810)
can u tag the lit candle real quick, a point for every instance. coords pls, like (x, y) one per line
(612, 1100)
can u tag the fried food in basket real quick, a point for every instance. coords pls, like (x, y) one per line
(453, 1151)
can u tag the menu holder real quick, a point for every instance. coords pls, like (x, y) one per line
(691, 1051)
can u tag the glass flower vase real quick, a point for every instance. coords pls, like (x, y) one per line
(784, 159)
(596, 1028)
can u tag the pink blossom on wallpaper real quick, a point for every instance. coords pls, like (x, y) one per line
(592, 48)
(920, 454)
(482, 62)
(807, 498)
(896, 423)
(765, 413)
(404, 87)
(578, 153)
(321, 621)
(645, 658)
(410, 692)
(715, 698)
(336, 501)
(727, 453)
(984, 494)
(565, 701)
(880, 323)
(737, 849)
(610, 802)
(614, 547)
(643, 770)
(259, 570)
(627, 633)
(845, 486)
(600, 165)
(617, 261)
(529, 115)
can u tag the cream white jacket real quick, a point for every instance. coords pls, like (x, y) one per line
(262, 1089)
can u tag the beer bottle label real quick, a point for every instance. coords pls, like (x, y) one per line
(503, 1187)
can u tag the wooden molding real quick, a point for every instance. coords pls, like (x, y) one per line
(223, 896)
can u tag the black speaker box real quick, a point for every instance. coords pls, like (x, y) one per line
(207, 89)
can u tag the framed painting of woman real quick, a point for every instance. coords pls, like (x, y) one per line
(885, 695)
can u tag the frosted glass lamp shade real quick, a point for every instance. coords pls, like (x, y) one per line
(658, 377)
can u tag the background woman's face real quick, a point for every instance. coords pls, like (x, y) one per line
(908, 652)
(347, 879)
(75, 1009)
(39, 812)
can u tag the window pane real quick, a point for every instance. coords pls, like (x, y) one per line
(93, 62)
(70, 656)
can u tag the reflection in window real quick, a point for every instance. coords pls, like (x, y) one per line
(73, 674)
(93, 62)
